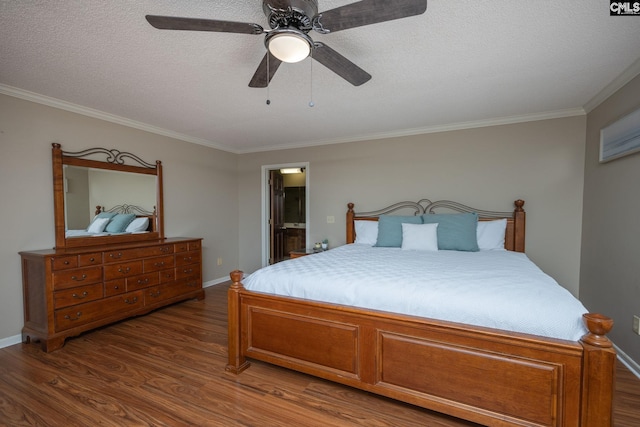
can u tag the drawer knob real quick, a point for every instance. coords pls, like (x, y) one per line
(116, 256)
(83, 295)
(155, 294)
(124, 270)
(79, 279)
(66, 263)
(143, 281)
(165, 249)
(132, 301)
(159, 264)
(92, 259)
(187, 258)
(78, 314)
(188, 270)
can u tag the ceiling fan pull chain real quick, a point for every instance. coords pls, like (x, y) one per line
(268, 100)
(311, 104)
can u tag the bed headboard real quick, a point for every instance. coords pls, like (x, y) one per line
(137, 210)
(516, 220)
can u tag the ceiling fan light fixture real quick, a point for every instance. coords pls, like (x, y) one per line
(289, 44)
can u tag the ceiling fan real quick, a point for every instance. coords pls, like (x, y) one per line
(288, 39)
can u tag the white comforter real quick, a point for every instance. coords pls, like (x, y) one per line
(496, 289)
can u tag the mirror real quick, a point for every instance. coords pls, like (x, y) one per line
(85, 187)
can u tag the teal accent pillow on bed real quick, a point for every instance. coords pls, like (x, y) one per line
(119, 223)
(456, 232)
(390, 229)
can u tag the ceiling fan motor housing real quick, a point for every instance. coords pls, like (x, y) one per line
(291, 13)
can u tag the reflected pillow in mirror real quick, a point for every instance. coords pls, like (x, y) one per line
(138, 225)
(98, 225)
(119, 223)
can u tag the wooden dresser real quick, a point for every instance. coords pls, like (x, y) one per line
(70, 291)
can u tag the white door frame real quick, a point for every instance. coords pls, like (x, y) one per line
(264, 215)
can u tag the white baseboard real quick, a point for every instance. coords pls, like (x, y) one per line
(6, 342)
(215, 282)
(633, 366)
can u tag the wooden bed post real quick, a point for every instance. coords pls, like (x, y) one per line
(237, 362)
(350, 223)
(598, 372)
(520, 219)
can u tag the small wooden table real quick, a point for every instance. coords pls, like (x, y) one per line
(304, 252)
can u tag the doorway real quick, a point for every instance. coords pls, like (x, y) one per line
(285, 210)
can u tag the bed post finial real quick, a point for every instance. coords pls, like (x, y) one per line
(519, 204)
(598, 326)
(237, 362)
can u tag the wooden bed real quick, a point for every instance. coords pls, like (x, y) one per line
(484, 375)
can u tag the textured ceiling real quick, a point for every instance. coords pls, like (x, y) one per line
(460, 63)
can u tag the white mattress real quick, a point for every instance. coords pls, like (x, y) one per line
(496, 289)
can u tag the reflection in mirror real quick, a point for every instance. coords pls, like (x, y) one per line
(86, 188)
(124, 189)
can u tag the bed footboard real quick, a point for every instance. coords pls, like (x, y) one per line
(483, 375)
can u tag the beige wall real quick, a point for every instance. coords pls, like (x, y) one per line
(488, 168)
(200, 188)
(610, 268)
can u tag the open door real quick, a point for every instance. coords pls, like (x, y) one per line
(276, 217)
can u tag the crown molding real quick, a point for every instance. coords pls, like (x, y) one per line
(90, 112)
(97, 114)
(556, 114)
(627, 75)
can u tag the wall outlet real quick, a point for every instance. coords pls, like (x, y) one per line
(331, 219)
(636, 324)
(219, 261)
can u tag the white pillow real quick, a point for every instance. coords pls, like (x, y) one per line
(98, 225)
(366, 232)
(137, 225)
(491, 235)
(420, 237)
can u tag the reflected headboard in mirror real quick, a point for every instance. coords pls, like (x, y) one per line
(99, 183)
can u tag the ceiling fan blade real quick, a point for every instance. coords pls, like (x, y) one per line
(340, 65)
(367, 12)
(259, 78)
(196, 24)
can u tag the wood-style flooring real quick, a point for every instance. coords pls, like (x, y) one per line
(167, 369)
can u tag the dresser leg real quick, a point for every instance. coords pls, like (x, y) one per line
(52, 344)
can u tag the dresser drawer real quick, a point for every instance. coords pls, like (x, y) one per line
(85, 260)
(161, 293)
(158, 263)
(142, 281)
(77, 295)
(191, 271)
(123, 269)
(168, 275)
(127, 254)
(115, 287)
(64, 262)
(82, 314)
(77, 277)
(188, 246)
(188, 258)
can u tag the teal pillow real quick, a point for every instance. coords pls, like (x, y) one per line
(390, 229)
(456, 232)
(119, 223)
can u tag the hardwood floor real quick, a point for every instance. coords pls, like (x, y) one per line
(167, 369)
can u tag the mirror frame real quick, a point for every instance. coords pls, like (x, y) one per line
(115, 161)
